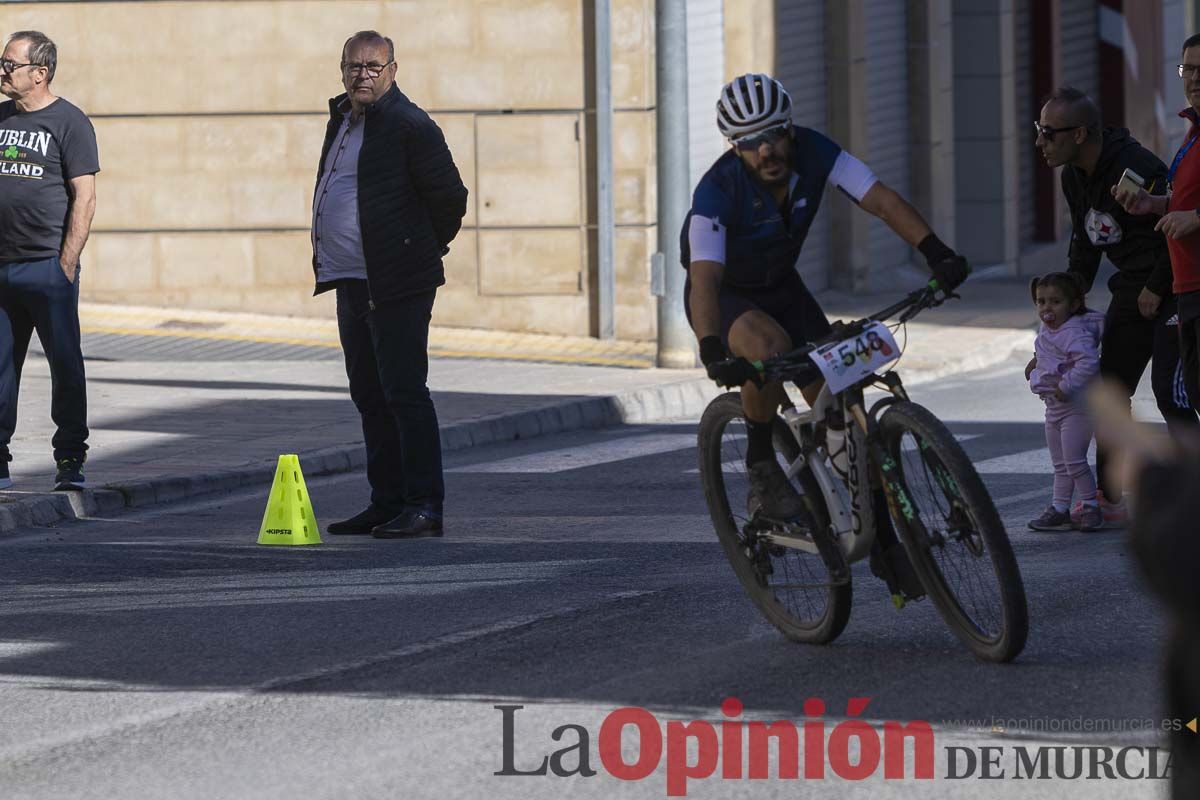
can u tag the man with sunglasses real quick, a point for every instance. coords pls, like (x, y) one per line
(740, 242)
(389, 200)
(1141, 324)
(48, 166)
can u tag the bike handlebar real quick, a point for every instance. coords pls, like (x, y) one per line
(796, 365)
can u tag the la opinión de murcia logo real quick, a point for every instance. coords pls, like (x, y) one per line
(733, 748)
(721, 745)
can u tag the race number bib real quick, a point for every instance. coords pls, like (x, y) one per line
(847, 362)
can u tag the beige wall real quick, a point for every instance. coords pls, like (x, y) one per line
(749, 37)
(210, 117)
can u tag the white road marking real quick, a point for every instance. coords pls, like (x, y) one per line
(739, 467)
(1013, 499)
(586, 455)
(1027, 462)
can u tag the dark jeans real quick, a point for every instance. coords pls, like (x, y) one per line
(1189, 343)
(1130, 341)
(387, 362)
(36, 295)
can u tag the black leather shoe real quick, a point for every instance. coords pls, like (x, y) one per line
(360, 524)
(411, 524)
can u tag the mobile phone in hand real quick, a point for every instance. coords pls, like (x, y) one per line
(1131, 181)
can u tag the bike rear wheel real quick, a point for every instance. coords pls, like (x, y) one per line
(792, 588)
(954, 535)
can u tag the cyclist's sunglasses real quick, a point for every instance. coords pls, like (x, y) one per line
(757, 140)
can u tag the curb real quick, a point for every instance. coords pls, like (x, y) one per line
(652, 404)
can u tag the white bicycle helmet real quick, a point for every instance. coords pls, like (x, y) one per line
(751, 103)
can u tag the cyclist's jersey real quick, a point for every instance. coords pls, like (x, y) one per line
(734, 220)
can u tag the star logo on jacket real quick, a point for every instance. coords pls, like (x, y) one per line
(1101, 228)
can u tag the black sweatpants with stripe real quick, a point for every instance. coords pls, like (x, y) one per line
(1130, 342)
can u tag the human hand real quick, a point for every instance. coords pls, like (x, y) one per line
(950, 272)
(1148, 304)
(1137, 202)
(734, 372)
(69, 268)
(1178, 224)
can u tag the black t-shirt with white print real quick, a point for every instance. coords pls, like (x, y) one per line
(39, 152)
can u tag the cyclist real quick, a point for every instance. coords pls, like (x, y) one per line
(743, 296)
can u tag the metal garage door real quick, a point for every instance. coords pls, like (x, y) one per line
(800, 65)
(706, 69)
(887, 97)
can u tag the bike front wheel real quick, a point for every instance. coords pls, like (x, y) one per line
(792, 588)
(953, 533)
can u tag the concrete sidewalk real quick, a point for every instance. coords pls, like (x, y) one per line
(164, 430)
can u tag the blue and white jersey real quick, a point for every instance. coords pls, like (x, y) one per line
(735, 221)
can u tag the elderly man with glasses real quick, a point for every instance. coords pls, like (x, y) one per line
(1141, 324)
(48, 166)
(388, 202)
(744, 298)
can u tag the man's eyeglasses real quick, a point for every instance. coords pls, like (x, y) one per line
(370, 70)
(757, 140)
(1047, 133)
(1187, 70)
(8, 66)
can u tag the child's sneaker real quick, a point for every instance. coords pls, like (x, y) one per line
(1115, 514)
(1051, 520)
(1090, 518)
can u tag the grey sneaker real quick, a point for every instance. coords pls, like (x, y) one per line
(775, 492)
(1052, 520)
(1091, 518)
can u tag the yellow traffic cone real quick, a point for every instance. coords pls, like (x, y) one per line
(289, 518)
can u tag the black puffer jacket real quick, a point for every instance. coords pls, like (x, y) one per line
(411, 199)
(1100, 226)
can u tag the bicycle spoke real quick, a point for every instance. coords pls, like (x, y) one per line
(798, 581)
(733, 470)
(959, 555)
(802, 604)
(790, 586)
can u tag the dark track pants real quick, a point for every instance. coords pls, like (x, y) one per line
(1130, 342)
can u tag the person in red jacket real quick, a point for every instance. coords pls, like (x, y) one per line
(1179, 212)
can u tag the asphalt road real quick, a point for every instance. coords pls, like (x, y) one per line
(162, 654)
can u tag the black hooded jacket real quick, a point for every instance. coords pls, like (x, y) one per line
(1100, 226)
(411, 198)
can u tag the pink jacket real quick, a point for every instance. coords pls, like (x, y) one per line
(1067, 358)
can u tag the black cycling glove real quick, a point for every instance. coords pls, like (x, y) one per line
(949, 268)
(727, 372)
(951, 272)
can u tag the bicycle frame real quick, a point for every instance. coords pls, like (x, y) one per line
(851, 511)
(849, 502)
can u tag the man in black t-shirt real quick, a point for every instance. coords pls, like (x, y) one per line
(48, 166)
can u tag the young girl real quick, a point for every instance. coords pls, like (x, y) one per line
(1067, 357)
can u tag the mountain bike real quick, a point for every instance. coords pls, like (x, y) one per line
(797, 571)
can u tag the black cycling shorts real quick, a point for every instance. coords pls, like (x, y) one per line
(788, 303)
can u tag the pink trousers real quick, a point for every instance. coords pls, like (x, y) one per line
(1068, 434)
